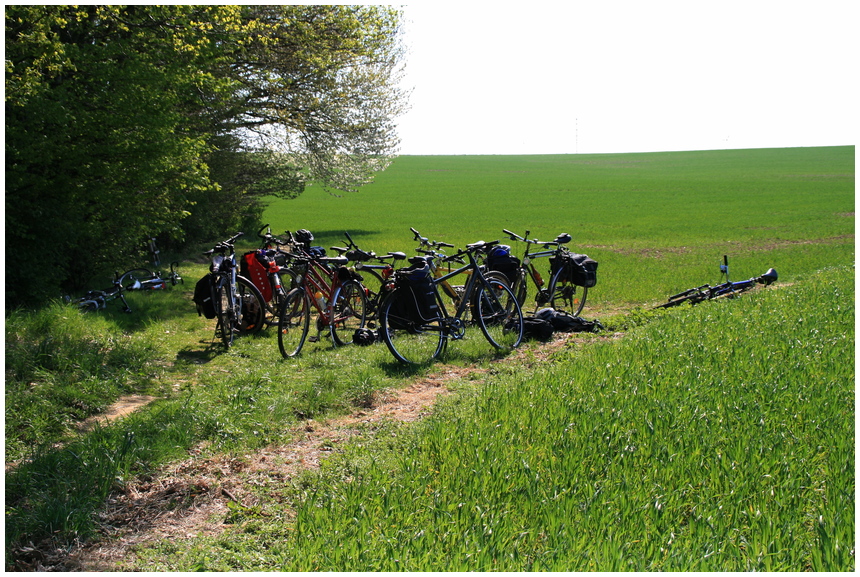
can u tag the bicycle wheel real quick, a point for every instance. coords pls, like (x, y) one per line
(133, 277)
(225, 312)
(251, 307)
(293, 323)
(494, 278)
(564, 295)
(499, 316)
(409, 341)
(348, 312)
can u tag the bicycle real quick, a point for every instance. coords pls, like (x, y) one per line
(235, 302)
(144, 279)
(415, 324)
(95, 300)
(456, 293)
(381, 272)
(326, 284)
(726, 289)
(568, 288)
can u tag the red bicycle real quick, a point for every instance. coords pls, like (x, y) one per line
(326, 284)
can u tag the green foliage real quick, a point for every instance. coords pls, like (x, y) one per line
(121, 121)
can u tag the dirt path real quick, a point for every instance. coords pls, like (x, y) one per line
(190, 498)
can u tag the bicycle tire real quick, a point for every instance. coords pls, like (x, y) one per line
(499, 316)
(252, 307)
(348, 312)
(493, 277)
(293, 323)
(224, 313)
(563, 294)
(128, 278)
(410, 342)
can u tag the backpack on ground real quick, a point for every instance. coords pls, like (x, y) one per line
(535, 328)
(567, 323)
(500, 259)
(203, 297)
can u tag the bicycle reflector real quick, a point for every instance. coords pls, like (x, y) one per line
(387, 272)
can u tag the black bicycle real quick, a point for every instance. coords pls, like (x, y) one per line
(236, 303)
(570, 274)
(726, 289)
(96, 300)
(415, 324)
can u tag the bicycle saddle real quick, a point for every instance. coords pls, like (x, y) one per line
(563, 238)
(770, 276)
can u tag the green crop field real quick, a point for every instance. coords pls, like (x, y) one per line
(719, 437)
(656, 222)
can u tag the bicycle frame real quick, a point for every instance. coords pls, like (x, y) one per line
(475, 276)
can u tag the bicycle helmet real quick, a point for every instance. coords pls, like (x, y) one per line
(304, 237)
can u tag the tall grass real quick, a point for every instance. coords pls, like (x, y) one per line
(615, 455)
(717, 438)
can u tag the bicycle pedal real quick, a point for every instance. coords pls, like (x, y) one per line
(313, 339)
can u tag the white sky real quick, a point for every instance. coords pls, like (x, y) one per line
(629, 76)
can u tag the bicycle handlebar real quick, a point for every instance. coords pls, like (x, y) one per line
(225, 245)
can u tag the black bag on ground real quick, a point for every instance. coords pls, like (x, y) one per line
(581, 270)
(203, 296)
(567, 323)
(417, 299)
(535, 328)
(500, 259)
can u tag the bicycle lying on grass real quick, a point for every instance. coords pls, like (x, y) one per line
(727, 289)
(228, 297)
(144, 279)
(96, 300)
(415, 324)
(571, 274)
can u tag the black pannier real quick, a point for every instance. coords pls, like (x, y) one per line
(500, 259)
(203, 297)
(582, 270)
(417, 299)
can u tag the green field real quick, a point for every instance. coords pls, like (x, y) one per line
(656, 222)
(718, 437)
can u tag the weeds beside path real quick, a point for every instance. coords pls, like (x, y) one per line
(193, 497)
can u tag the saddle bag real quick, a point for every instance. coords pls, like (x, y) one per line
(417, 299)
(204, 297)
(500, 259)
(254, 266)
(581, 270)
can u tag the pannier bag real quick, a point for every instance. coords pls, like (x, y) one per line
(203, 296)
(582, 270)
(417, 302)
(254, 266)
(500, 259)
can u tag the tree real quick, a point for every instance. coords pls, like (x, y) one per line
(127, 121)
